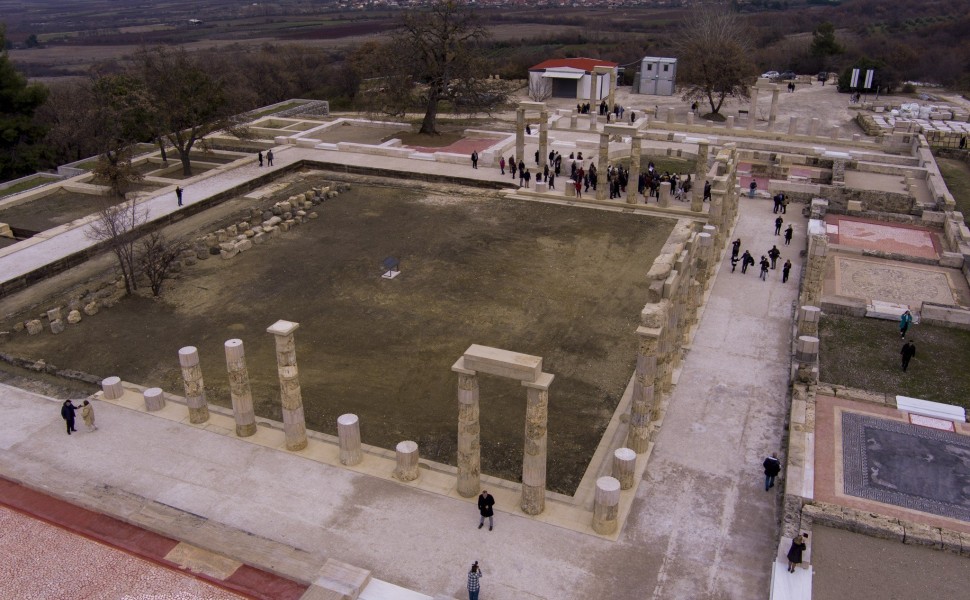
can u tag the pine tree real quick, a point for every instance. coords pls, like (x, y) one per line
(20, 134)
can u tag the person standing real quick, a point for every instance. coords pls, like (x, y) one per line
(259, 155)
(269, 158)
(528, 178)
(87, 413)
(908, 352)
(746, 259)
(474, 581)
(764, 268)
(778, 223)
(521, 168)
(788, 233)
(784, 204)
(474, 159)
(707, 191)
(777, 206)
(67, 413)
(178, 194)
(735, 248)
(512, 166)
(485, 504)
(501, 165)
(752, 188)
(905, 320)
(772, 467)
(785, 270)
(774, 254)
(798, 546)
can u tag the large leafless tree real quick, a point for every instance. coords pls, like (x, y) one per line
(713, 48)
(117, 226)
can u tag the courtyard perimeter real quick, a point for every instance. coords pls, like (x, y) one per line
(563, 283)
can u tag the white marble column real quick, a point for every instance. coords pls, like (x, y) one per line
(239, 389)
(624, 467)
(294, 421)
(606, 505)
(348, 435)
(406, 454)
(519, 134)
(603, 156)
(111, 386)
(543, 140)
(534, 451)
(636, 147)
(194, 386)
(641, 407)
(774, 106)
(154, 399)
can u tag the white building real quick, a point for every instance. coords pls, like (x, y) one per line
(571, 77)
(657, 76)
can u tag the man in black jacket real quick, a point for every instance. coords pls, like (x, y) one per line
(772, 467)
(67, 413)
(485, 504)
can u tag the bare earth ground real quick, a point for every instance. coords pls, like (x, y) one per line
(956, 174)
(564, 284)
(864, 353)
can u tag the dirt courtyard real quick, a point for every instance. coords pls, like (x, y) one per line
(564, 283)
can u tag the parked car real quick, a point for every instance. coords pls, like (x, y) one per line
(770, 75)
(787, 75)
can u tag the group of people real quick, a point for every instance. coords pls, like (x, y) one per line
(769, 260)
(68, 411)
(269, 157)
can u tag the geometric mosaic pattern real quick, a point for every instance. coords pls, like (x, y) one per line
(906, 465)
(891, 283)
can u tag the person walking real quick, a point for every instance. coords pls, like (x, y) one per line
(798, 546)
(784, 204)
(87, 413)
(774, 254)
(905, 320)
(521, 168)
(501, 165)
(485, 504)
(788, 233)
(474, 159)
(259, 155)
(908, 352)
(178, 194)
(735, 248)
(746, 259)
(269, 158)
(474, 581)
(764, 268)
(785, 270)
(67, 413)
(528, 178)
(778, 223)
(772, 467)
(777, 199)
(752, 188)
(512, 166)
(707, 191)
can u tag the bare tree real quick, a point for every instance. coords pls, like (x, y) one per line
(116, 226)
(156, 256)
(713, 48)
(540, 88)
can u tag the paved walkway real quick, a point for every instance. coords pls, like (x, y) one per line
(701, 526)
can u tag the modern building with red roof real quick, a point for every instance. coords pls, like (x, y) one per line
(571, 77)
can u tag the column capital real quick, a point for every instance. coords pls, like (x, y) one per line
(542, 382)
(282, 327)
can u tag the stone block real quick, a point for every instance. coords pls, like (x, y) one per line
(243, 225)
(922, 535)
(244, 245)
(288, 216)
(291, 222)
(286, 206)
(257, 229)
(227, 246)
(74, 317)
(284, 226)
(74, 304)
(227, 254)
(312, 215)
(855, 206)
(54, 314)
(951, 259)
(19, 326)
(272, 222)
(57, 326)
(250, 233)
(951, 541)
(503, 363)
(232, 231)
(862, 395)
(259, 238)
(34, 326)
(340, 577)
(273, 231)
(190, 261)
(91, 308)
(301, 213)
(221, 235)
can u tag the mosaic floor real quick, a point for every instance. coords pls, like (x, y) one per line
(906, 465)
(891, 282)
(899, 239)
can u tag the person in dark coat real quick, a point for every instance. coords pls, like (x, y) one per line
(778, 223)
(746, 259)
(788, 234)
(269, 158)
(67, 413)
(905, 320)
(764, 268)
(707, 191)
(512, 166)
(260, 156)
(474, 159)
(908, 352)
(485, 504)
(798, 546)
(735, 248)
(774, 254)
(772, 467)
(178, 194)
(785, 271)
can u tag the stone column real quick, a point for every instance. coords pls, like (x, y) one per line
(808, 317)
(700, 172)
(690, 118)
(670, 115)
(469, 433)
(814, 269)
(636, 145)
(705, 257)
(594, 109)
(753, 107)
(543, 139)
(573, 119)
(624, 465)
(665, 194)
(111, 386)
(806, 349)
(194, 386)
(533, 499)
(294, 422)
(407, 461)
(774, 106)
(154, 399)
(792, 125)
(836, 132)
(611, 102)
(239, 390)
(730, 122)
(602, 158)
(606, 505)
(641, 407)
(813, 127)
(348, 435)
(519, 134)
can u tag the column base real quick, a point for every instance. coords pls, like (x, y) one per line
(533, 499)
